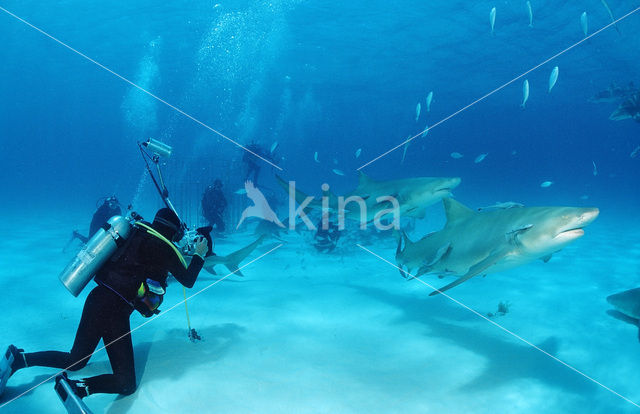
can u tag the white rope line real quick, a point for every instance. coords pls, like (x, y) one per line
(180, 111)
(497, 89)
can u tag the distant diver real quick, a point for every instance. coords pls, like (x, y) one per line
(252, 161)
(110, 207)
(213, 205)
(134, 277)
(326, 237)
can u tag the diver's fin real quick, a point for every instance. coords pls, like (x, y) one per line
(70, 400)
(474, 270)
(5, 369)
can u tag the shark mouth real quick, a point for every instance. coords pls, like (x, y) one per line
(575, 230)
(570, 234)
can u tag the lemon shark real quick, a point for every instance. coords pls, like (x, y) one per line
(413, 196)
(477, 243)
(231, 261)
(627, 307)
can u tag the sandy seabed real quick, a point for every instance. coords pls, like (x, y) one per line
(305, 332)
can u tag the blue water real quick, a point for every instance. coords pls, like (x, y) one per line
(331, 77)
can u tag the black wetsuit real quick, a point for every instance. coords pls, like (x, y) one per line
(108, 308)
(252, 162)
(213, 205)
(101, 216)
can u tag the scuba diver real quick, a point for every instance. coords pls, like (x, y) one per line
(326, 237)
(133, 278)
(253, 167)
(109, 208)
(213, 205)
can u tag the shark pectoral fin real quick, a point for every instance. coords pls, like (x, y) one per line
(512, 236)
(442, 251)
(546, 258)
(210, 270)
(460, 280)
(622, 317)
(474, 270)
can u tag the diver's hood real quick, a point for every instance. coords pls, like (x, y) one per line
(167, 223)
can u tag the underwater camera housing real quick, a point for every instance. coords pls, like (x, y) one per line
(159, 148)
(191, 237)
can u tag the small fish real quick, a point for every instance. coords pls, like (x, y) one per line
(418, 108)
(480, 158)
(553, 78)
(338, 172)
(584, 23)
(530, 13)
(546, 184)
(429, 99)
(525, 92)
(358, 151)
(584, 197)
(273, 147)
(595, 169)
(514, 152)
(425, 132)
(492, 18)
(456, 155)
(635, 152)
(240, 191)
(315, 157)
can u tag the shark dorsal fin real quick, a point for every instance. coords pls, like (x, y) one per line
(363, 180)
(455, 210)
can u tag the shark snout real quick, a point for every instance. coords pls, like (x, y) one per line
(449, 184)
(574, 229)
(589, 215)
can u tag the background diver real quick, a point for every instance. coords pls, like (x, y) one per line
(110, 207)
(326, 237)
(213, 205)
(252, 161)
(133, 278)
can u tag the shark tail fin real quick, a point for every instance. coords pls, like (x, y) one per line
(403, 242)
(234, 259)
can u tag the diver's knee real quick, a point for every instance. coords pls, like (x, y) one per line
(128, 386)
(76, 365)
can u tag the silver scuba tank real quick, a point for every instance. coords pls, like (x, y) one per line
(94, 254)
